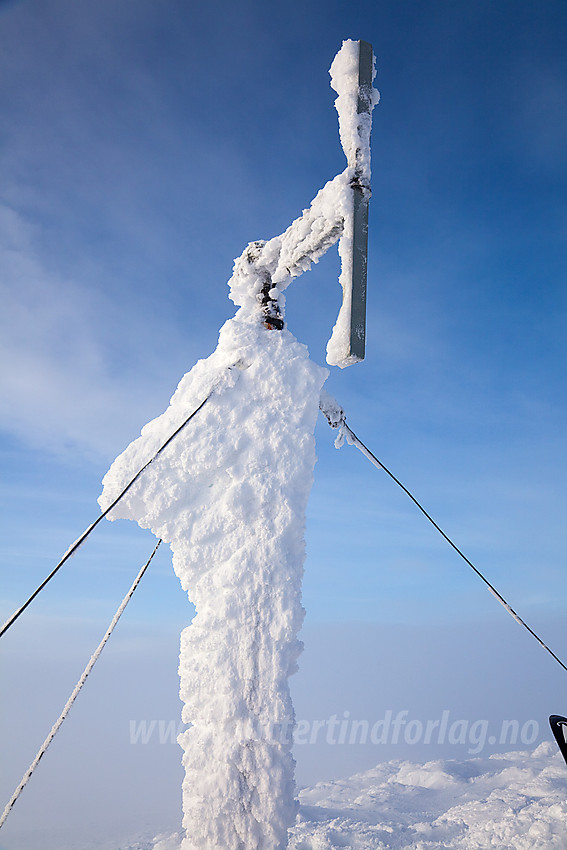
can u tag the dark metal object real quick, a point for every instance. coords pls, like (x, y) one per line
(272, 316)
(359, 274)
(559, 728)
(361, 197)
(273, 319)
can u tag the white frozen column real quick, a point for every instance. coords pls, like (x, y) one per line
(229, 495)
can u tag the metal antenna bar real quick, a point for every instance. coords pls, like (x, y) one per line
(361, 197)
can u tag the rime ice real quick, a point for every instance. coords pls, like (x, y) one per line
(328, 219)
(229, 495)
(354, 129)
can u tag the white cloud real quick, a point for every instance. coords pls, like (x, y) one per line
(69, 354)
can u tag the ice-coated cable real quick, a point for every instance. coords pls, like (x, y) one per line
(76, 690)
(80, 540)
(336, 418)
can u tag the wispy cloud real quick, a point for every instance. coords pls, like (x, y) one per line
(61, 382)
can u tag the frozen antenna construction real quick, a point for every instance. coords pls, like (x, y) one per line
(229, 496)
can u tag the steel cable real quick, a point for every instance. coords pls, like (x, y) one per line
(336, 419)
(76, 690)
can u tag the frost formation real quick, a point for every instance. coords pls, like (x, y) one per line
(229, 496)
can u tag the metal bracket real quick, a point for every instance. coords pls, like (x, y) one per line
(361, 197)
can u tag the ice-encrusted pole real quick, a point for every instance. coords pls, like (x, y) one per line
(229, 495)
(347, 345)
(352, 74)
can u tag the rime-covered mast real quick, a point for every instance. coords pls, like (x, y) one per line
(352, 74)
(338, 212)
(229, 495)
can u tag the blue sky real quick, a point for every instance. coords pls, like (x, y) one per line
(144, 144)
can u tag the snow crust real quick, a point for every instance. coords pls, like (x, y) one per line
(516, 801)
(229, 495)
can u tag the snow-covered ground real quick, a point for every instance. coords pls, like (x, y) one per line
(515, 801)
